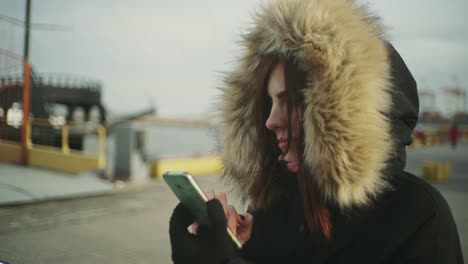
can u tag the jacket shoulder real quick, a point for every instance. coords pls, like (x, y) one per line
(419, 195)
(433, 235)
(411, 223)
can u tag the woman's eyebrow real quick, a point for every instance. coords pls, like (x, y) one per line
(279, 95)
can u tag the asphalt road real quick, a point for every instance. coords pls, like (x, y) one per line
(131, 226)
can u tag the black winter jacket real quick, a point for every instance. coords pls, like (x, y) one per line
(410, 224)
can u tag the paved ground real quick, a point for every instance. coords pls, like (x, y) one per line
(127, 227)
(19, 184)
(131, 226)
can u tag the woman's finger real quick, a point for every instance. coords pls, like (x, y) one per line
(232, 219)
(244, 230)
(245, 219)
(193, 228)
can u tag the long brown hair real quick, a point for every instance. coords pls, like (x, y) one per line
(316, 214)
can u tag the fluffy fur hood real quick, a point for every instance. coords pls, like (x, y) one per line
(347, 119)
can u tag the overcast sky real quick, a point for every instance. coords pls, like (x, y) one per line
(171, 52)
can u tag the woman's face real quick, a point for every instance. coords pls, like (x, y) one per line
(277, 121)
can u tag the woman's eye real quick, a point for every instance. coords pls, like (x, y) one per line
(282, 99)
(281, 96)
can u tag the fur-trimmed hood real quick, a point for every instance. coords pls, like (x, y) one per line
(353, 130)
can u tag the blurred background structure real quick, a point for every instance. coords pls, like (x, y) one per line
(109, 94)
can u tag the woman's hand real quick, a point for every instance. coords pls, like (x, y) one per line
(244, 228)
(211, 245)
(240, 224)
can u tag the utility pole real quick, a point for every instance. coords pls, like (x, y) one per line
(27, 28)
(25, 128)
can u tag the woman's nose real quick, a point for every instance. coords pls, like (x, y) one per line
(274, 120)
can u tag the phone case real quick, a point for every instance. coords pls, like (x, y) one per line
(191, 195)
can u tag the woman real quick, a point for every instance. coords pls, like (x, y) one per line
(315, 121)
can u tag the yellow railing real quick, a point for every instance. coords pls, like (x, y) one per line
(62, 159)
(197, 166)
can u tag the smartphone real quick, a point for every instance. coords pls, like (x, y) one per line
(191, 195)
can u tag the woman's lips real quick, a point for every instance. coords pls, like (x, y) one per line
(281, 157)
(292, 166)
(283, 144)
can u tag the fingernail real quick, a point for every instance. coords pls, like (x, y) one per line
(242, 217)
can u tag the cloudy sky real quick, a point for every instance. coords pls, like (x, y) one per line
(171, 52)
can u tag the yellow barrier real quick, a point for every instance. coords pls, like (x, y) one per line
(53, 158)
(10, 151)
(62, 159)
(436, 171)
(197, 166)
